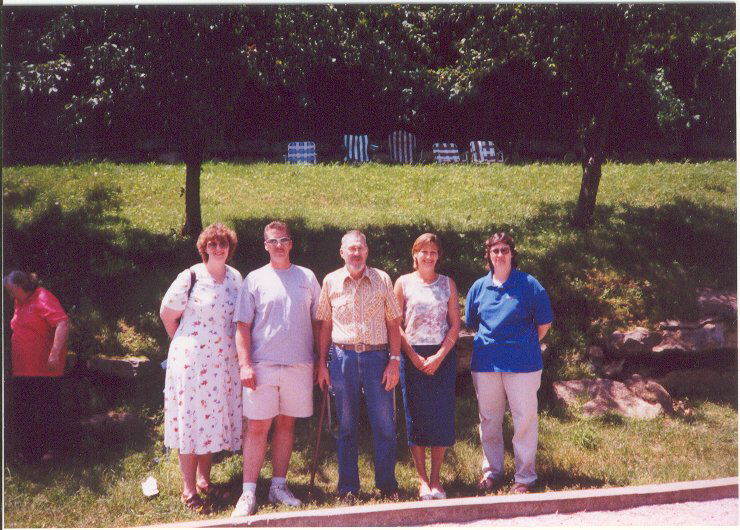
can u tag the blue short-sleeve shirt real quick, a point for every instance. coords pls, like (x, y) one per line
(505, 319)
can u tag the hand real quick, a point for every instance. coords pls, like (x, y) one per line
(417, 360)
(54, 363)
(322, 377)
(431, 363)
(390, 375)
(248, 377)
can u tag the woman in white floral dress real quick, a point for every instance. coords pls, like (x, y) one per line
(202, 394)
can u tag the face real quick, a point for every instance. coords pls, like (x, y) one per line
(278, 245)
(354, 253)
(426, 257)
(500, 255)
(16, 292)
(217, 249)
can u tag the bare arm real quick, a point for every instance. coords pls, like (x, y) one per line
(542, 330)
(61, 331)
(324, 343)
(171, 319)
(391, 374)
(243, 341)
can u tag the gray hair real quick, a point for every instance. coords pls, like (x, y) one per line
(353, 234)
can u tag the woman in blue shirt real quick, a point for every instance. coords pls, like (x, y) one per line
(510, 312)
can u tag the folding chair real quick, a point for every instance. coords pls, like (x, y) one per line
(356, 146)
(402, 146)
(445, 153)
(301, 153)
(485, 152)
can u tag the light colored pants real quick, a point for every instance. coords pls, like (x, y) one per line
(493, 389)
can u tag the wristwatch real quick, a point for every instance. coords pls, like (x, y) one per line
(395, 357)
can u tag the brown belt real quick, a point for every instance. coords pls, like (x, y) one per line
(359, 348)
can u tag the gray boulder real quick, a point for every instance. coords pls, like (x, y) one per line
(634, 342)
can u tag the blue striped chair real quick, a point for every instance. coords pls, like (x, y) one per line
(445, 152)
(402, 146)
(301, 153)
(485, 152)
(356, 146)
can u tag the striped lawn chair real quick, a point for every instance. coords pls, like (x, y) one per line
(402, 146)
(484, 151)
(445, 153)
(356, 146)
(301, 153)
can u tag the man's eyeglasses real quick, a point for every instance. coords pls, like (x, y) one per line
(213, 245)
(275, 240)
(503, 251)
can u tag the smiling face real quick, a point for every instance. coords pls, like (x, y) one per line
(278, 244)
(354, 252)
(426, 257)
(217, 250)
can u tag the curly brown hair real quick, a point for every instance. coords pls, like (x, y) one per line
(495, 239)
(216, 232)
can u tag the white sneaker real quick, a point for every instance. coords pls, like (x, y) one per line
(246, 505)
(282, 495)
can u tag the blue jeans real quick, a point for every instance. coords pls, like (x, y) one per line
(350, 373)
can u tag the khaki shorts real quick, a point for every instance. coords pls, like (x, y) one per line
(285, 389)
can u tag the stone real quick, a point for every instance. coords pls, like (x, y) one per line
(614, 369)
(689, 339)
(637, 398)
(702, 378)
(464, 350)
(636, 341)
(123, 367)
(719, 302)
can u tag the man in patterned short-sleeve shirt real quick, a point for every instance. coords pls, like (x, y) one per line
(360, 320)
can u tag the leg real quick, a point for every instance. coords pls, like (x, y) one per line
(254, 448)
(521, 389)
(203, 471)
(282, 445)
(188, 465)
(438, 455)
(491, 405)
(418, 453)
(343, 371)
(382, 418)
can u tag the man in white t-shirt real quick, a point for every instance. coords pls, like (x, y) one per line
(276, 341)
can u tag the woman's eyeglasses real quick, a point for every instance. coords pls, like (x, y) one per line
(213, 245)
(275, 241)
(503, 251)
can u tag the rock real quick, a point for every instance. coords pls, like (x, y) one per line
(690, 339)
(703, 379)
(464, 350)
(638, 398)
(636, 341)
(110, 425)
(614, 369)
(717, 302)
(123, 367)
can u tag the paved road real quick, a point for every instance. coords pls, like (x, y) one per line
(721, 512)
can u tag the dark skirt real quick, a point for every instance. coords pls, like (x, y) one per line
(429, 401)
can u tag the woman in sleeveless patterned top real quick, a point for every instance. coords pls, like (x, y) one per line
(431, 323)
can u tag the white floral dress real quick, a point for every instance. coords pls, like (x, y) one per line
(202, 390)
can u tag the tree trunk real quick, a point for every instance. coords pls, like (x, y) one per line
(193, 223)
(584, 213)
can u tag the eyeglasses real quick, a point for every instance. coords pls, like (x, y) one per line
(503, 251)
(276, 240)
(213, 245)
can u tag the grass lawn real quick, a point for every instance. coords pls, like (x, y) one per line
(104, 238)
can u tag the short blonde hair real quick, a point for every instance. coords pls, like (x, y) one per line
(425, 239)
(216, 232)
